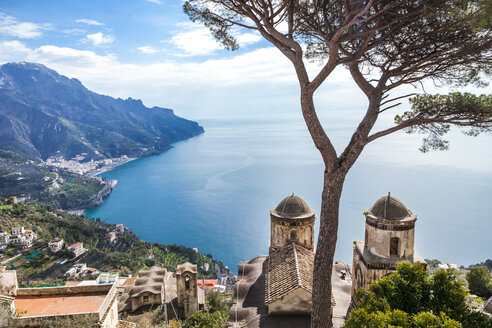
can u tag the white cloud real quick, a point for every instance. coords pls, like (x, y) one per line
(148, 50)
(248, 38)
(155, 1)
(195, 39)
(99, 38)
(89, 22)
(12, 51)
(25, 30)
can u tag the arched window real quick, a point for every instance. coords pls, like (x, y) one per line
(359, 277)
(394, 246)
(293, 235)
(187, 282)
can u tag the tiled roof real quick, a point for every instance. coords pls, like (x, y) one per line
(48, 305)
(287, 269)
(76, 245)
(129, 281)
(209, 283)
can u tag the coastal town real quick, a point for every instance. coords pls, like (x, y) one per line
(81, 165)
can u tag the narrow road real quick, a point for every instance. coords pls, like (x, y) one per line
(10, 259)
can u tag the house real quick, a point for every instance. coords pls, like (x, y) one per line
(4, 238)
(77, 249)
(108, 278)
(207, 283)
(20, 241)
(120, 228)
(55, 245)
(18, 231)
(111, 236)
(76, 270)
(30, 235)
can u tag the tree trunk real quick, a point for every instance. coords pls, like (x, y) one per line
(325, 249)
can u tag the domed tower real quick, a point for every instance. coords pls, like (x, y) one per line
(292, 221)
(389, 239)
(390, 229)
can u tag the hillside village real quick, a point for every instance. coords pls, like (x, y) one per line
(269, 291)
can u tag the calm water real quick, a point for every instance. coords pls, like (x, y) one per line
(215, 192)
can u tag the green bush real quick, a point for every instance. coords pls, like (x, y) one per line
(217, 319)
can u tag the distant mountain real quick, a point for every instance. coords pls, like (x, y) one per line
(43, 113)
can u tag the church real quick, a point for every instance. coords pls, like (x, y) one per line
(276, 290)
(389, 239)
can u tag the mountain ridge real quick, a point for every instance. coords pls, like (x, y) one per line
(45, 114)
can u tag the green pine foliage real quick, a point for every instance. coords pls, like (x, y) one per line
(479, 281)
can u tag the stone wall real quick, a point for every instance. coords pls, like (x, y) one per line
(378, 241)
(65, 290)
(284, 232)
(297, 302)
(8, 282)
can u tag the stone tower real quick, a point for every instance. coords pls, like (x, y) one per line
(389, 239)
(187, 287)
(292, 221)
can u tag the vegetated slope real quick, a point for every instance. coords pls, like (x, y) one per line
(28, 177)
(127, 253)
(42, 113)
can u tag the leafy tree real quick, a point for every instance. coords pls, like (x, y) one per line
(385, 45)
(438, 300)
(479, 281)
(448, 294)
(407, 291)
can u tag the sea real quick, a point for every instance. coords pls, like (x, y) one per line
(215, 191)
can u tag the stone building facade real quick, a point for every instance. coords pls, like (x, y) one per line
(187, 288)
(389, 239)
(292, 221)
(149, 288)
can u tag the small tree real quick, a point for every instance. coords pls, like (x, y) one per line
(479, 281)
(384, 44)
(217, 301)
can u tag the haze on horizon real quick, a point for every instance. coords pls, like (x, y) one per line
(148, 49)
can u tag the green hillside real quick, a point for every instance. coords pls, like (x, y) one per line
(23, 176)
(127, 254)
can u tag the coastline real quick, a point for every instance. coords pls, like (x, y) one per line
(109, 167)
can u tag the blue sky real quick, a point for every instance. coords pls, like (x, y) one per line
(149, 49)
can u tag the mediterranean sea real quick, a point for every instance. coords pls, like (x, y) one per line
(214, 192)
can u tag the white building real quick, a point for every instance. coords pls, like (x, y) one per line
(4, 238)
(55, 245)
(77, 249)
(30, 235)
(20, 241)
(18, 231)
